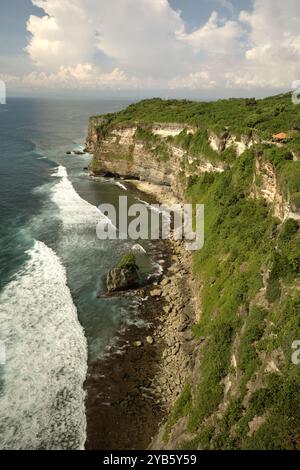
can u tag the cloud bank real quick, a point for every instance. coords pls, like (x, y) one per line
(145, 44)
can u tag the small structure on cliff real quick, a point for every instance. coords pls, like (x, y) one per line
(280, 137)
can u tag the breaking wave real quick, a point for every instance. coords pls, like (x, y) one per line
(42, 397)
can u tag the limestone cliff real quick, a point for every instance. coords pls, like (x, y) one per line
(124, 151)
(265, 185)
(151, 153)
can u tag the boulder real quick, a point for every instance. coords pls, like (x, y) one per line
(119, 279)
(125, 276)
(149, 340)
(167, 309)
(155, 293)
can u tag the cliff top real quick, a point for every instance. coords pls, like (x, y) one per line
(266, 116)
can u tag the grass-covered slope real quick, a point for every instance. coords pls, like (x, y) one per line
(249, 318)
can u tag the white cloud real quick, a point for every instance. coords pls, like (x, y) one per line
(9, 79)
(137, 34)
(81, 76)
(216, 38)
(272, 58)
(193, 80)
(144, 44)
(63, 37)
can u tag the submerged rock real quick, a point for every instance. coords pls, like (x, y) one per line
(75, 152)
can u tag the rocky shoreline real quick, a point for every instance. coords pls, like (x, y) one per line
(132, 390)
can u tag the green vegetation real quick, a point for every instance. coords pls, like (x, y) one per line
(277, 155)
(247, 355)
(238, 239)
(95, 166)
(242, 239)
(289, 181)
(242, 118)
(153, 143)
(128, 262)
(285, 260)
(249, 269)
(181, 408)
(239, 116)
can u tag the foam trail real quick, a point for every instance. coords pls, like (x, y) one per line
(138, 248)
(160, 210)
(75, 211)
(117, 183)
(42, 399)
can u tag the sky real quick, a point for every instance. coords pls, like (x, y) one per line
(187, 48)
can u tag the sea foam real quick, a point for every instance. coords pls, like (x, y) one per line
(42, 397)
(74, 209)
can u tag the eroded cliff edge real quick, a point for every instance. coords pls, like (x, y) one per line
(243, 389)
(146, 152)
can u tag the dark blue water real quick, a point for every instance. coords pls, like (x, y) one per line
(29, 130)
(51, 268)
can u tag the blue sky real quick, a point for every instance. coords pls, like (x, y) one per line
(197, 12)
(201, 48)
(13, 34)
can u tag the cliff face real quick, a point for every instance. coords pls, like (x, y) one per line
(123, 151)
(243, 390)
(225, 140)
(266, 186)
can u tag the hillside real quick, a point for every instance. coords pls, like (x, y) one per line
(244, 389)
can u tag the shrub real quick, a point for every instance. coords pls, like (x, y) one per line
(289, 229)
(273, 290)
(247, 355)
(128, 262)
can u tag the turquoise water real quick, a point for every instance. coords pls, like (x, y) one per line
(52, 267)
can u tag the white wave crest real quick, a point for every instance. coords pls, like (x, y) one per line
(42, 397)
(74, 210)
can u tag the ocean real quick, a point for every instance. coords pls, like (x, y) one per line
(52, 267)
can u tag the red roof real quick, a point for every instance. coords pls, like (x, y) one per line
(280, 136)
